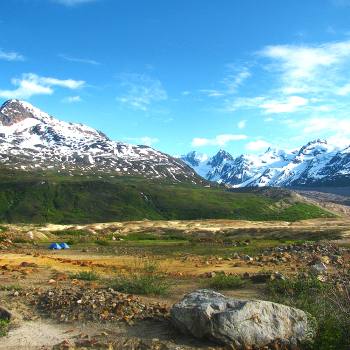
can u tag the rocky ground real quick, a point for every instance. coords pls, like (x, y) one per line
(65, 299)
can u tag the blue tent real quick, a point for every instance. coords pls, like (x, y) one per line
(55, 246)
(64, 246)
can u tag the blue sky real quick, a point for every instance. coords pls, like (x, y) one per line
(184, 74)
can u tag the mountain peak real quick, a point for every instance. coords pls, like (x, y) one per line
(194, 158)
(14, 111)
(317, 141)
(31, 139)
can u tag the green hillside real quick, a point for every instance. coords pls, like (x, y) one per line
(40, 198)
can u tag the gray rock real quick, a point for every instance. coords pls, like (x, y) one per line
(5, 314)
(241, 323)
(319, 268)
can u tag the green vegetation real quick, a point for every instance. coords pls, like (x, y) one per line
(10, 287)
(40, 198)
(183, 247)
(86, 276)
(141, 236)
(103, 242)
(4, 326)
(221, 282)
(148, 282)
(329, 305)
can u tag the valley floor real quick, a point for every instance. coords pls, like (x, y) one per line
(159, 261)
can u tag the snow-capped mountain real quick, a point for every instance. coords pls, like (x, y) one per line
(316, 163)
(31, 139)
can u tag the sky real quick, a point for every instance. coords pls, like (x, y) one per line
(182, 75)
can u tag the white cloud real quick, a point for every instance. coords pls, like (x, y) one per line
(212, 92)
(308, 68)
(343, 90)
(329, 124)
(335, 129)
(72, 99)
(257, 145)
(73, 2)
(31, 84)
(67, 83)
(144, 140)
(241, 124)
(235, 78)
(149, 141)
(10, 56)
(79, 60)
(243, 103)
(219, 140)
(141, 91)
(309, 78)
(291, 104)
(267, 105)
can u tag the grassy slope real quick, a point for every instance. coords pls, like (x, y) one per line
(43, 198)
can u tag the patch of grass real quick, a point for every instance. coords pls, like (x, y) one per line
(11, 287)
(179, 248)
(4, 327)
(20, 240)
(86, 276)
(223, 282)
(3, 228)
(148, 282)
(329, 306)
(141, 236)
(103, 242)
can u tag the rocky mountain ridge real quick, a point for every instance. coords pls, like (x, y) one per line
(32, 139)
(315, 164)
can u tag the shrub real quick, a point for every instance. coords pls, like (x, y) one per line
(141, 236)
(221, 281)
(149, 282)
(330, 307)
(20, 240)
(4, 326)
(86, 276)
(3, 228)
(103, 242)
(10, 287)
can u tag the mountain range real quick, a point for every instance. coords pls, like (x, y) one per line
(315, 164)
(30, 139)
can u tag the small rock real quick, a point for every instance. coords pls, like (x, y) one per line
(319, 268)
(277, 276)
(247, 258)
(5, 314)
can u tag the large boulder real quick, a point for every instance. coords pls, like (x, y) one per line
(241, 323)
